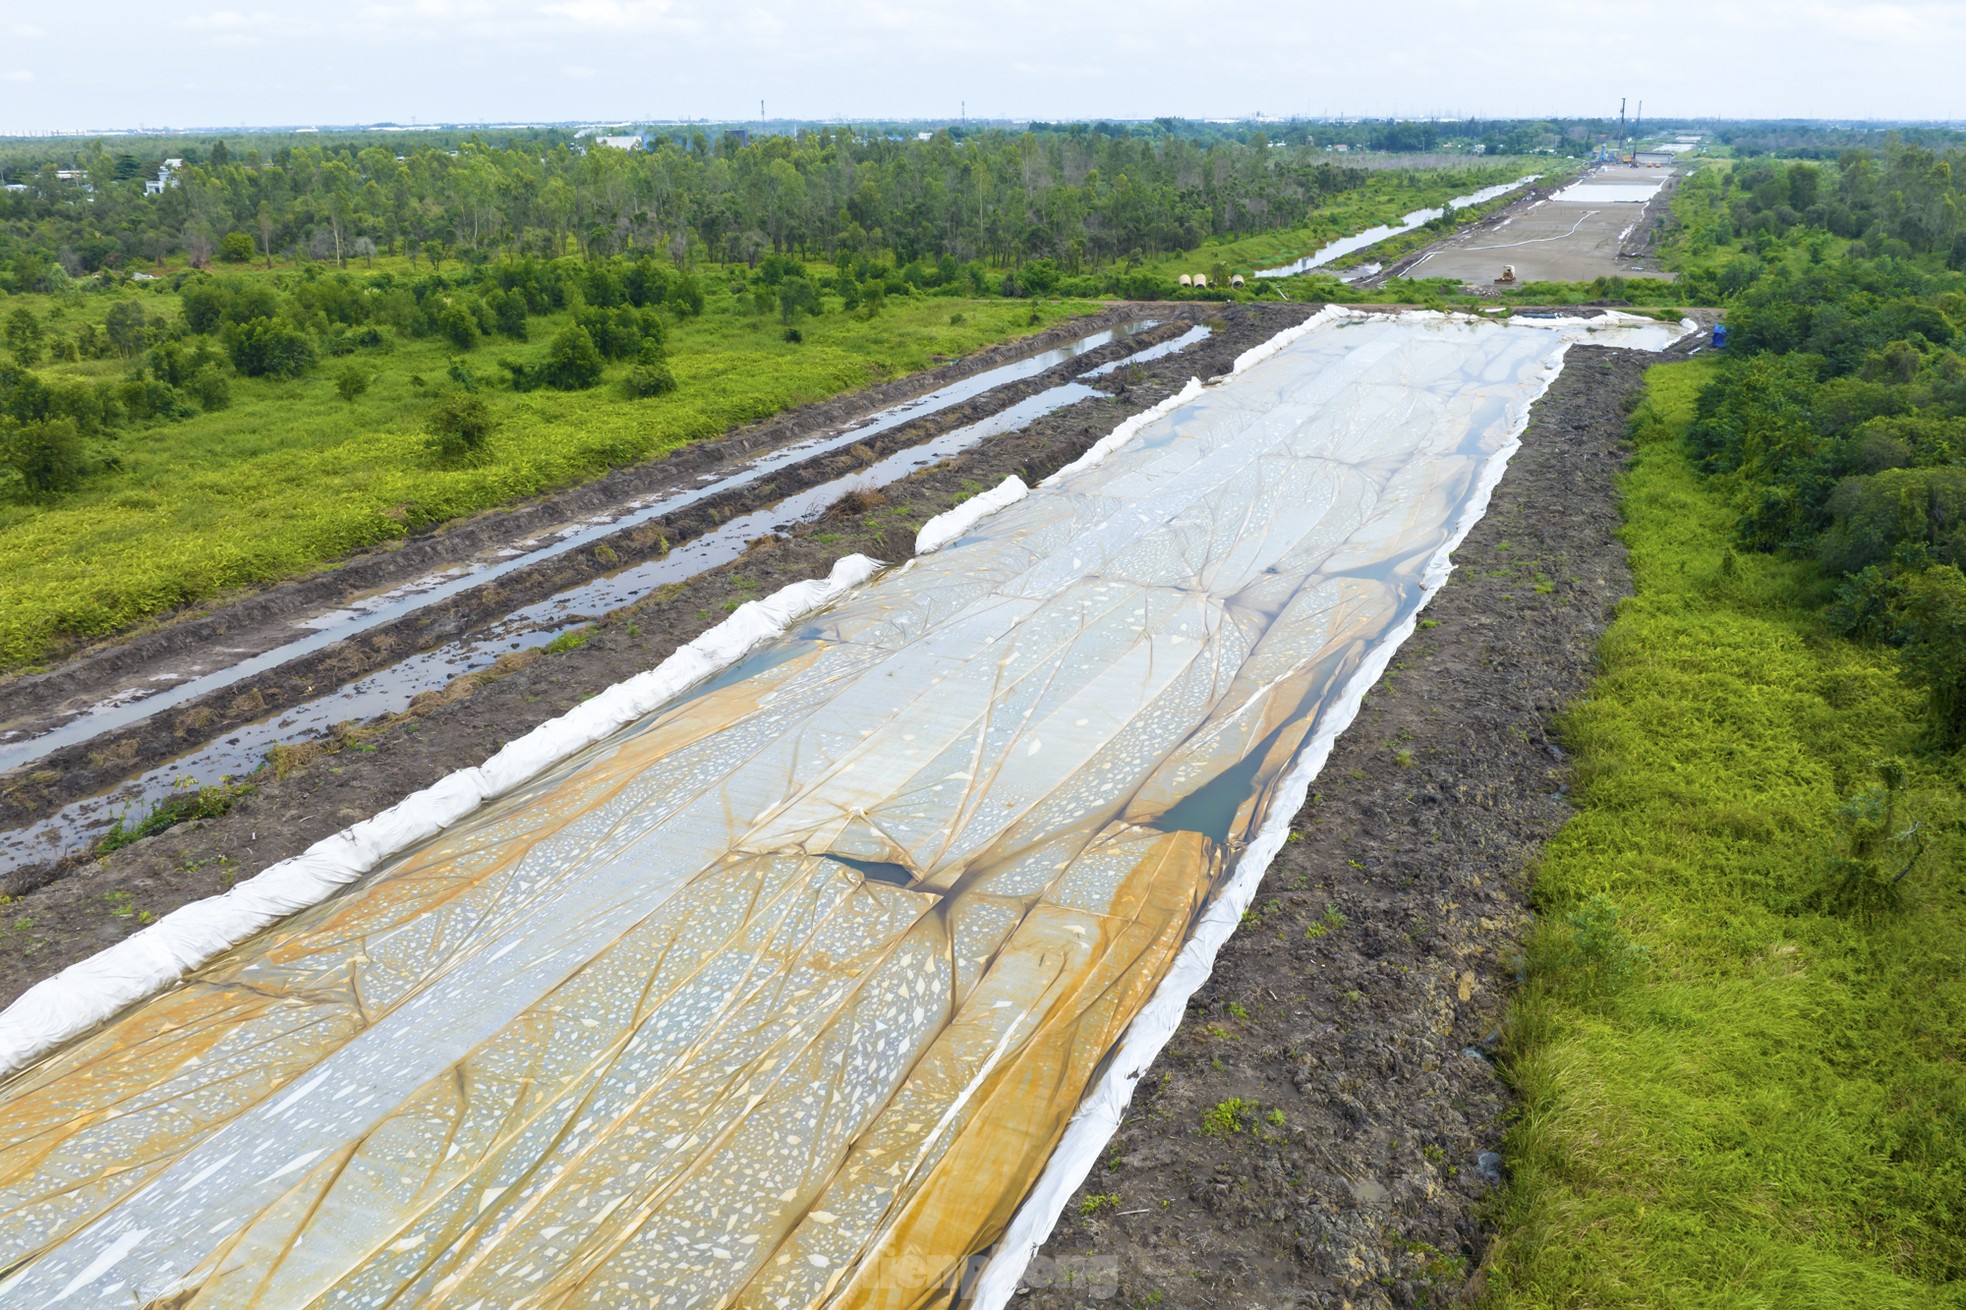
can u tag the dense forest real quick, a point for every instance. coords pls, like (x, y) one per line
(1841, 413)
(1080, 199)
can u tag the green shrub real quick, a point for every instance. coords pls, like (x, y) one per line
(46, 456)
(1933, 625)
(460, 424)
(1880, 846)
(263, 347)
(350, 381)
(573, 362)
(235, 248)
(646, 380)
(1599, 954)
(458, 326)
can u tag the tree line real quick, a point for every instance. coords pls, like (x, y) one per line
(1840, 411)
(1080, 199)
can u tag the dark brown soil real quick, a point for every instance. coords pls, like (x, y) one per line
(258, 623)
(59, 915)
(1315, 1133)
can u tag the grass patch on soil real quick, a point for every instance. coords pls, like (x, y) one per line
(1733, 1094)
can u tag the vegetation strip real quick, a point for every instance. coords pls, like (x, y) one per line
(1738, 1070)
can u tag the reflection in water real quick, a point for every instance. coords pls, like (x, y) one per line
(783, 996)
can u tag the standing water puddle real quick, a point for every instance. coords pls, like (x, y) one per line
(374, 611)
(787, 991)
(1373, 236)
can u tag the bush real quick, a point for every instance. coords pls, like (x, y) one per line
(262, 347)
(46, 457)
(350, 381)
(646, 380)
(458, 326)
(210, 388)
(1934, 627)
(460, 424)
(508, 311)
(1878, 851)
(1600, 954)
(1040, 277)
(572, 363)
(235, 248)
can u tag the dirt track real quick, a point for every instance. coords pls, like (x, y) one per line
(1315, 1133)
(1554, 240)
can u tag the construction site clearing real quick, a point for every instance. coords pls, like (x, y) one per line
(1595, 227)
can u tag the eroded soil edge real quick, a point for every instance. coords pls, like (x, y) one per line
(1320, 1131)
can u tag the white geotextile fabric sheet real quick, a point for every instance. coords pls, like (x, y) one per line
(783, 993)
(1608, 193)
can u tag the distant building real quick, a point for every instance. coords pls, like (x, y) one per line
(633, 142)
(14, 186)
(1651, 158)
(166, 177)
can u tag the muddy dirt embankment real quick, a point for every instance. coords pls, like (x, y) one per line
(58, 919)
(91, 767)
(1321, 1131)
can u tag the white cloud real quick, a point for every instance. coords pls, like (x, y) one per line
(17, 75)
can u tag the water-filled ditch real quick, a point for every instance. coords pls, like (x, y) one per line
(76, 826)
(324, 629)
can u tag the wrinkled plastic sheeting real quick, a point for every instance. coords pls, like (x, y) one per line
(784, 995)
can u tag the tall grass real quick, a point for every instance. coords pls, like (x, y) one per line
(1770, 1111)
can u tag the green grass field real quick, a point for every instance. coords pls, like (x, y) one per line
(291, 477)
(1771, 1111)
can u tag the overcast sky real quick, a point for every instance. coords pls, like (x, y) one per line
(91, 64)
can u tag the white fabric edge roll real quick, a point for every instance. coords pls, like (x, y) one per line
(1098, 1117)
(92, 990)
(952, 523)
